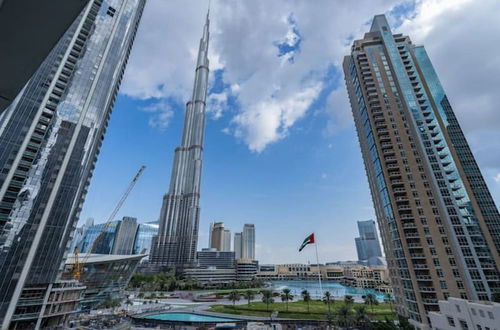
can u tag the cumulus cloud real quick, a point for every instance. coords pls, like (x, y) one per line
(274, 54)
(245, 43)
(497, 178)
(269, 120)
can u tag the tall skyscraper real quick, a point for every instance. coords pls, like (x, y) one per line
(217, 236)
(175, 245)
(50, 137)
(248, 242)
(125, 236)
(439, 225)
(367, 244)
(237, 245)
(227, 240)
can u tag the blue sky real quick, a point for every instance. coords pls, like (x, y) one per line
(281, 150)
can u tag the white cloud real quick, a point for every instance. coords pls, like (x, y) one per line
(161, 112)
(458, 35)
(271, 92)
(269, 120)
(497, 178)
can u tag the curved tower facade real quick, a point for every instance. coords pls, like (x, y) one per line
(175, 245)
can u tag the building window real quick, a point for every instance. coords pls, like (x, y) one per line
(451, 321)
(463, 325)
(490, 314)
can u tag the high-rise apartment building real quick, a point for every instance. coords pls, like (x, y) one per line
(237, 245)
(227, 240)
(367, 244)
(175, 245)
(50, 137)
(248, 242)
(439, 225)
(217, 236)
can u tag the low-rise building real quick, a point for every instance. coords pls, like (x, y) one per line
(211, 275)
(458, 313)
(214, 258)
(103, 275)
(246, 269)
(366, 277)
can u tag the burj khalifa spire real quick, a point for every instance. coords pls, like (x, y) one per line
(175, 245)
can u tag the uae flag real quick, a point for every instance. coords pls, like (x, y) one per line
(309, 240)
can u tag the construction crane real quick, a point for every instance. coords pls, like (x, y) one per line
(78, 266)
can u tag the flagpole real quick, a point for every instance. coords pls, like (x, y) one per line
(319, 270)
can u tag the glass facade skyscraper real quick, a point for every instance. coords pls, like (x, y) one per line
(144, 237)
(439, 225)
(49, 141)
(367, 244)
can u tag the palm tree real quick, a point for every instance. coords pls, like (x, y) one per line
(348, 300)
(360, 316)
(306, 297)
(234, 296)
(388, 298)
(286, 296)
(249, 295)
(371, 300)
(344, 316)
(267, 298)
(328, 299)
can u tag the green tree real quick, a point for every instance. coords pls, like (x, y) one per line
(286, 296)
(371, 299)
(348, 300)
(249, 295)
(307, 298)
(344, 316)
(234, 296)
(267, 298)
(495, 296)
(328, 300)
(361, 316)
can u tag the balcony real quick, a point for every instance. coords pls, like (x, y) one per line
(385, 138)
(423, 278)
(389, 152)
(417, 255)
(397, 182)
(382, 131)
(404, 207)
(390, 159)
(420, 266)
(394, 175)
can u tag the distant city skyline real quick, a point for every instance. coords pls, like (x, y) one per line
(295, 183)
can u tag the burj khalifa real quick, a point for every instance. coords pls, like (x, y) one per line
(175, 245)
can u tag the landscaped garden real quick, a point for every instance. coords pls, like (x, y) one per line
(343, 312)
